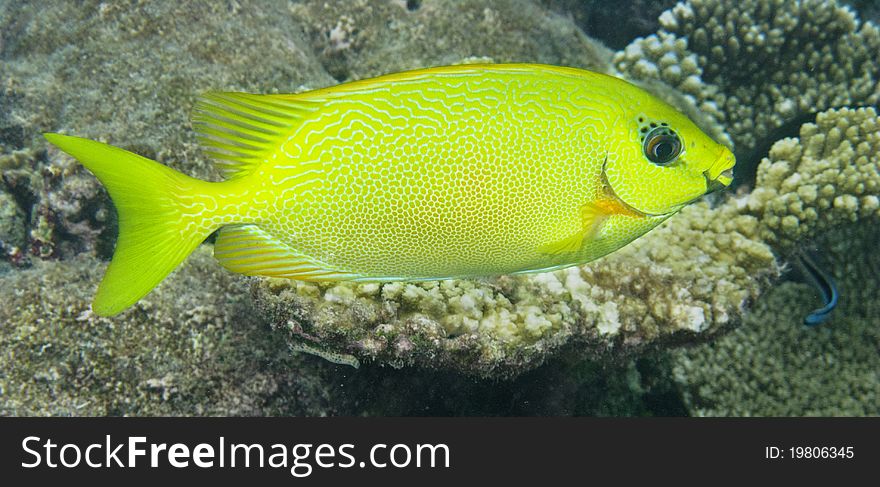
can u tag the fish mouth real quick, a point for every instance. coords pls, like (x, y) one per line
(720, 175)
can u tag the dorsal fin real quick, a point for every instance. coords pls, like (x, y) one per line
(247, 249)
(240, 130)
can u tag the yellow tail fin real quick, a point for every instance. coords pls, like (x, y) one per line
(152, 241)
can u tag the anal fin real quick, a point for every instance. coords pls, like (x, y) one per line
(247, 249)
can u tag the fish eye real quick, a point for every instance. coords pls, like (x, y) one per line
(662, 146)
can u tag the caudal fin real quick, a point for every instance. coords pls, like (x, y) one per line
(152, 238)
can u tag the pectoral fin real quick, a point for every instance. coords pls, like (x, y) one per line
(592, 218)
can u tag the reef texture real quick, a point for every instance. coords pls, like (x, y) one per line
(755, 65)
(200, 345)
(827, 177)
(820, 192)
(195, 347)
(649, 293)
(362, 38)
(690, 278)
(191, 348)
(775, 366)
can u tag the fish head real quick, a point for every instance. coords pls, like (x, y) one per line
(660, 160)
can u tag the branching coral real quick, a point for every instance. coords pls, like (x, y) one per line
(822, 188)
(827, 177)
(719, 53)
(774, 366)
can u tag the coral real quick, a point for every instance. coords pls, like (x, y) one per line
(775, 366)
(819, 190)
(195, 348)
(718, 53)
(827, 177)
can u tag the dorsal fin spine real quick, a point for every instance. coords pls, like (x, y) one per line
(236, 129)
(241, 131)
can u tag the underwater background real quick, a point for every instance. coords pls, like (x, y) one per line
(702, 316)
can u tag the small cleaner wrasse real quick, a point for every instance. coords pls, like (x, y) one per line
(447, 172)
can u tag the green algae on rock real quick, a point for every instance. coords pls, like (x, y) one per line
(193, 348)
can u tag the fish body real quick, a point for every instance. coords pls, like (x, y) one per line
(824, 283)
(445, 172)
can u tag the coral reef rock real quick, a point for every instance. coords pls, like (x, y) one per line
(191, 348)
(827, 177)
(361, 39)
(775, 366)
(819, 191)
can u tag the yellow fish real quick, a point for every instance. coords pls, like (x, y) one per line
(455, 171)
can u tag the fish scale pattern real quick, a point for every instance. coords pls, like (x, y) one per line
(464, 172)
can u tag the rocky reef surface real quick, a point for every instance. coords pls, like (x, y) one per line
(595, 339)
(773, 365)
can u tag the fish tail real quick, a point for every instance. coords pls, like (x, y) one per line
(155, 232)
